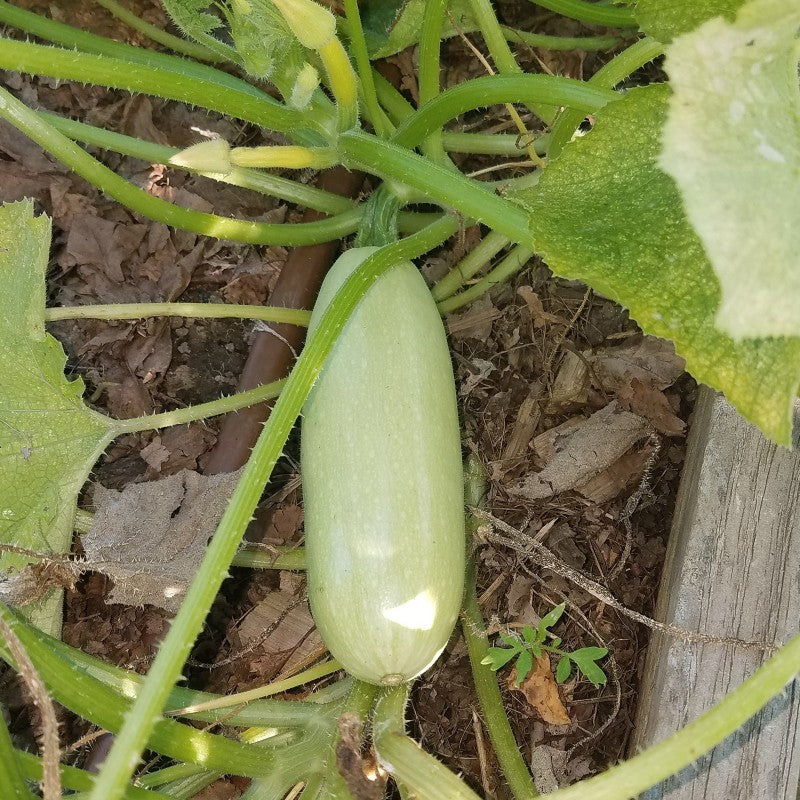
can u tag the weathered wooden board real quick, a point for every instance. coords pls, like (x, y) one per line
(732, 569)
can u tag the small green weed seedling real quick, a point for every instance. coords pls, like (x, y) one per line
(535, 641)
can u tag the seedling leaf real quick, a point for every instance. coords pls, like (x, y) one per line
(731, 144)
(564, 669)
(617, 223)
(524, 666)
(585, 659)
(49, 439)
(550, 619)
(498, 657)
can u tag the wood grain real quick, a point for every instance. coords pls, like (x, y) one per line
(732, 569)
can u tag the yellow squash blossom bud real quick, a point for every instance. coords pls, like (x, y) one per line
(305, 85)
(313, 25)
(213, 155)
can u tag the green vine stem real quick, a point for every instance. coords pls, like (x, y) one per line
(152, 153)
(88, 697)
(12, 778)
(501, 53)
(162, 37)
(549, 90)
(76, 779)
(276, 687)
(174, 650)
(380, 122)
(682, 748)
(77, 39)
(78, 160)
(473, 262)
(594, 13)
(501, 736)
(169, 775)
(114, 73)
(420, 773)
(114, 311)
(509, 266)
(284, 714)
(446, 186)
(183, 416)
(609, 75)
(546, 42)
(494, 144)
(429, 67)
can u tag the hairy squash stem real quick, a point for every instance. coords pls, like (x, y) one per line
(156, 34)
(153, 153)
(609, 75)
(64, 149)
(114, 73)
(512, 765)
(495, 89)
(428, 79)
(289, 316)
(594, 13)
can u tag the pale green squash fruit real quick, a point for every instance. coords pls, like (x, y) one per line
(382, 481)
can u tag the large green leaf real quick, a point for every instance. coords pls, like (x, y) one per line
(49, 439)
(605, 213)
(732, 144)
(666, 19)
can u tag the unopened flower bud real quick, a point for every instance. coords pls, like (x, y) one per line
(212, 155)
(313, 25)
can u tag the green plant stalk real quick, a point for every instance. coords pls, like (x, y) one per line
(56, 62)
(75, 779)
(175, 648)
(88, 697)
(420, 773)
(12, 778)
(358, 45)
(397, 107)
(501, 53)
(291, 558)
(77, 39)
(682, 748)
(288, 316)
(473, 262)
(509, 266)
(493, 712)
(276, 687)
(152, 153)
(493, 89)
(123, 683)
(494, 144)
(183, 416)
(594, 13)
(428, 70)
(546, 42)
(66, 151)
(494, 716)
(446, 186)
(167, 775)
(608, 76)
(162, 37)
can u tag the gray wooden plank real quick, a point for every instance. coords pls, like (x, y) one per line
(732, 569)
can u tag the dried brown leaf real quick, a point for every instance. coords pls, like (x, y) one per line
(541, 691)
(150, 537)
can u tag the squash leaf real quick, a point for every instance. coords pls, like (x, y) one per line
(603, 212)
(732, 143)
(49, 439)
(262, 43)
(666, 19)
